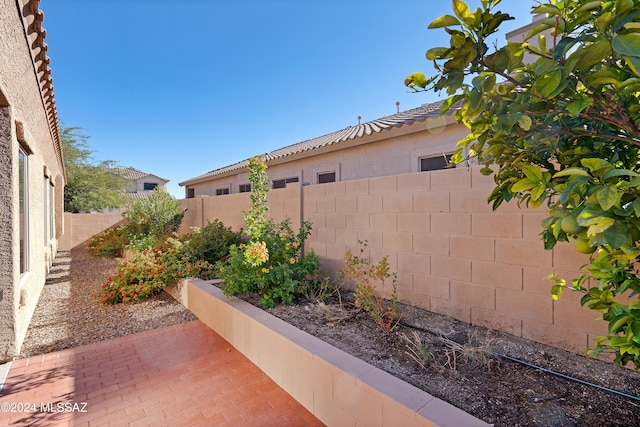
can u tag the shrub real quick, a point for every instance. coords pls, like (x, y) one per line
(368, 277)
(156, 215)
(276, 270)
(151, 270)
(110, 242)
(212, 242)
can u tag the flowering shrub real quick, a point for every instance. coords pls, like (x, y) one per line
(274, 268)
(149, 271)
(110, 242)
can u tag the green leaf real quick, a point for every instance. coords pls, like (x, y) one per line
(633, 63)
(627, 44)
(525, 122)
(595, 164)
(598, 225)
(556, 292)
(616, 235)
(532, 172)
(461, 9)
(619, 322)
(572, 172)
(444, 21)
(618, 172)
(607, 196)
(589, 6)
(548, 83)
(523, 185)
(579, 103)
(635, 328)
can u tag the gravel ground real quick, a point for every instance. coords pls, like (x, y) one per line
(69, 315)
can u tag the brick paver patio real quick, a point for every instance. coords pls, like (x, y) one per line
(182, 375)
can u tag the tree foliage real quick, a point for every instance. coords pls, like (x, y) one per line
(562, 129)
(89, 184)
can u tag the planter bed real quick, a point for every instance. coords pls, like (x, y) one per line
(338, 388)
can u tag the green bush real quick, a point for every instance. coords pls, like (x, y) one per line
(147, 272)
(110, 242)
(156, 215)
(212, 242)
(274, 268)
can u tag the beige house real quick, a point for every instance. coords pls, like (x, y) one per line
(31, 167)
(410, 141)
(139, 184)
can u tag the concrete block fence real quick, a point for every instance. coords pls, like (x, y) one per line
(452, 253)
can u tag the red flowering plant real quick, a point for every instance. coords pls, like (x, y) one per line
(110, 242)
(147, 272)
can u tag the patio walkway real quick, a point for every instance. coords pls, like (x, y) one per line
(182, 375)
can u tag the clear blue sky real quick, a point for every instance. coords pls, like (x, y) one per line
(179, 88)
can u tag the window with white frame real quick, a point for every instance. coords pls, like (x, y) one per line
(23, 184)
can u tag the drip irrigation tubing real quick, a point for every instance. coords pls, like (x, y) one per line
(540, 368)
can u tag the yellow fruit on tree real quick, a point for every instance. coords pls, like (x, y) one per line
(583, 246)
(569, 225)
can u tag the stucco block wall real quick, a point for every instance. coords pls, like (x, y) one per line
(80, 227)
(229, 209)
(453, 254)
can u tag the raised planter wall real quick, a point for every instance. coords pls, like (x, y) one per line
(339, 389)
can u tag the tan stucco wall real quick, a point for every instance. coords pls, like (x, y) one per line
(80, 227)
(23, 121)
(453, 254)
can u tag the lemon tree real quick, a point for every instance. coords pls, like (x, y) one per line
(561, 130)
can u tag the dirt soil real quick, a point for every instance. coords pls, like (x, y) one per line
(466, 370)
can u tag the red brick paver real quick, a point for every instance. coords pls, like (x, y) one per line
(182, 375)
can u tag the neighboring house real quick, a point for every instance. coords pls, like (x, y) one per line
(410, 141)
(31, 169)
(139, 184)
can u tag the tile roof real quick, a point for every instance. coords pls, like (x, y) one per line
(131, 174)
(35, 34)
(128, 173)
(419, 114)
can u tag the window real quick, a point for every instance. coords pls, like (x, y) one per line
(23, 183)
(281, 183)
(191, 193)
(326, 177)
(245, 188)
(221, 191)
(149, 186)
(52, 223)
(46, 201)
(434, 163)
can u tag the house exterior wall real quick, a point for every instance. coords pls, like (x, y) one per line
(138, 185)
(25, 122)
(390, 152)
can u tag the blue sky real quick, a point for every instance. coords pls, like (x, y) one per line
(179, 88)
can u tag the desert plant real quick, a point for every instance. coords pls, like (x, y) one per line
(155, 215)
(420, 351)
(368, 278)
(109, 243)
(147, 272)
(212, 242)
